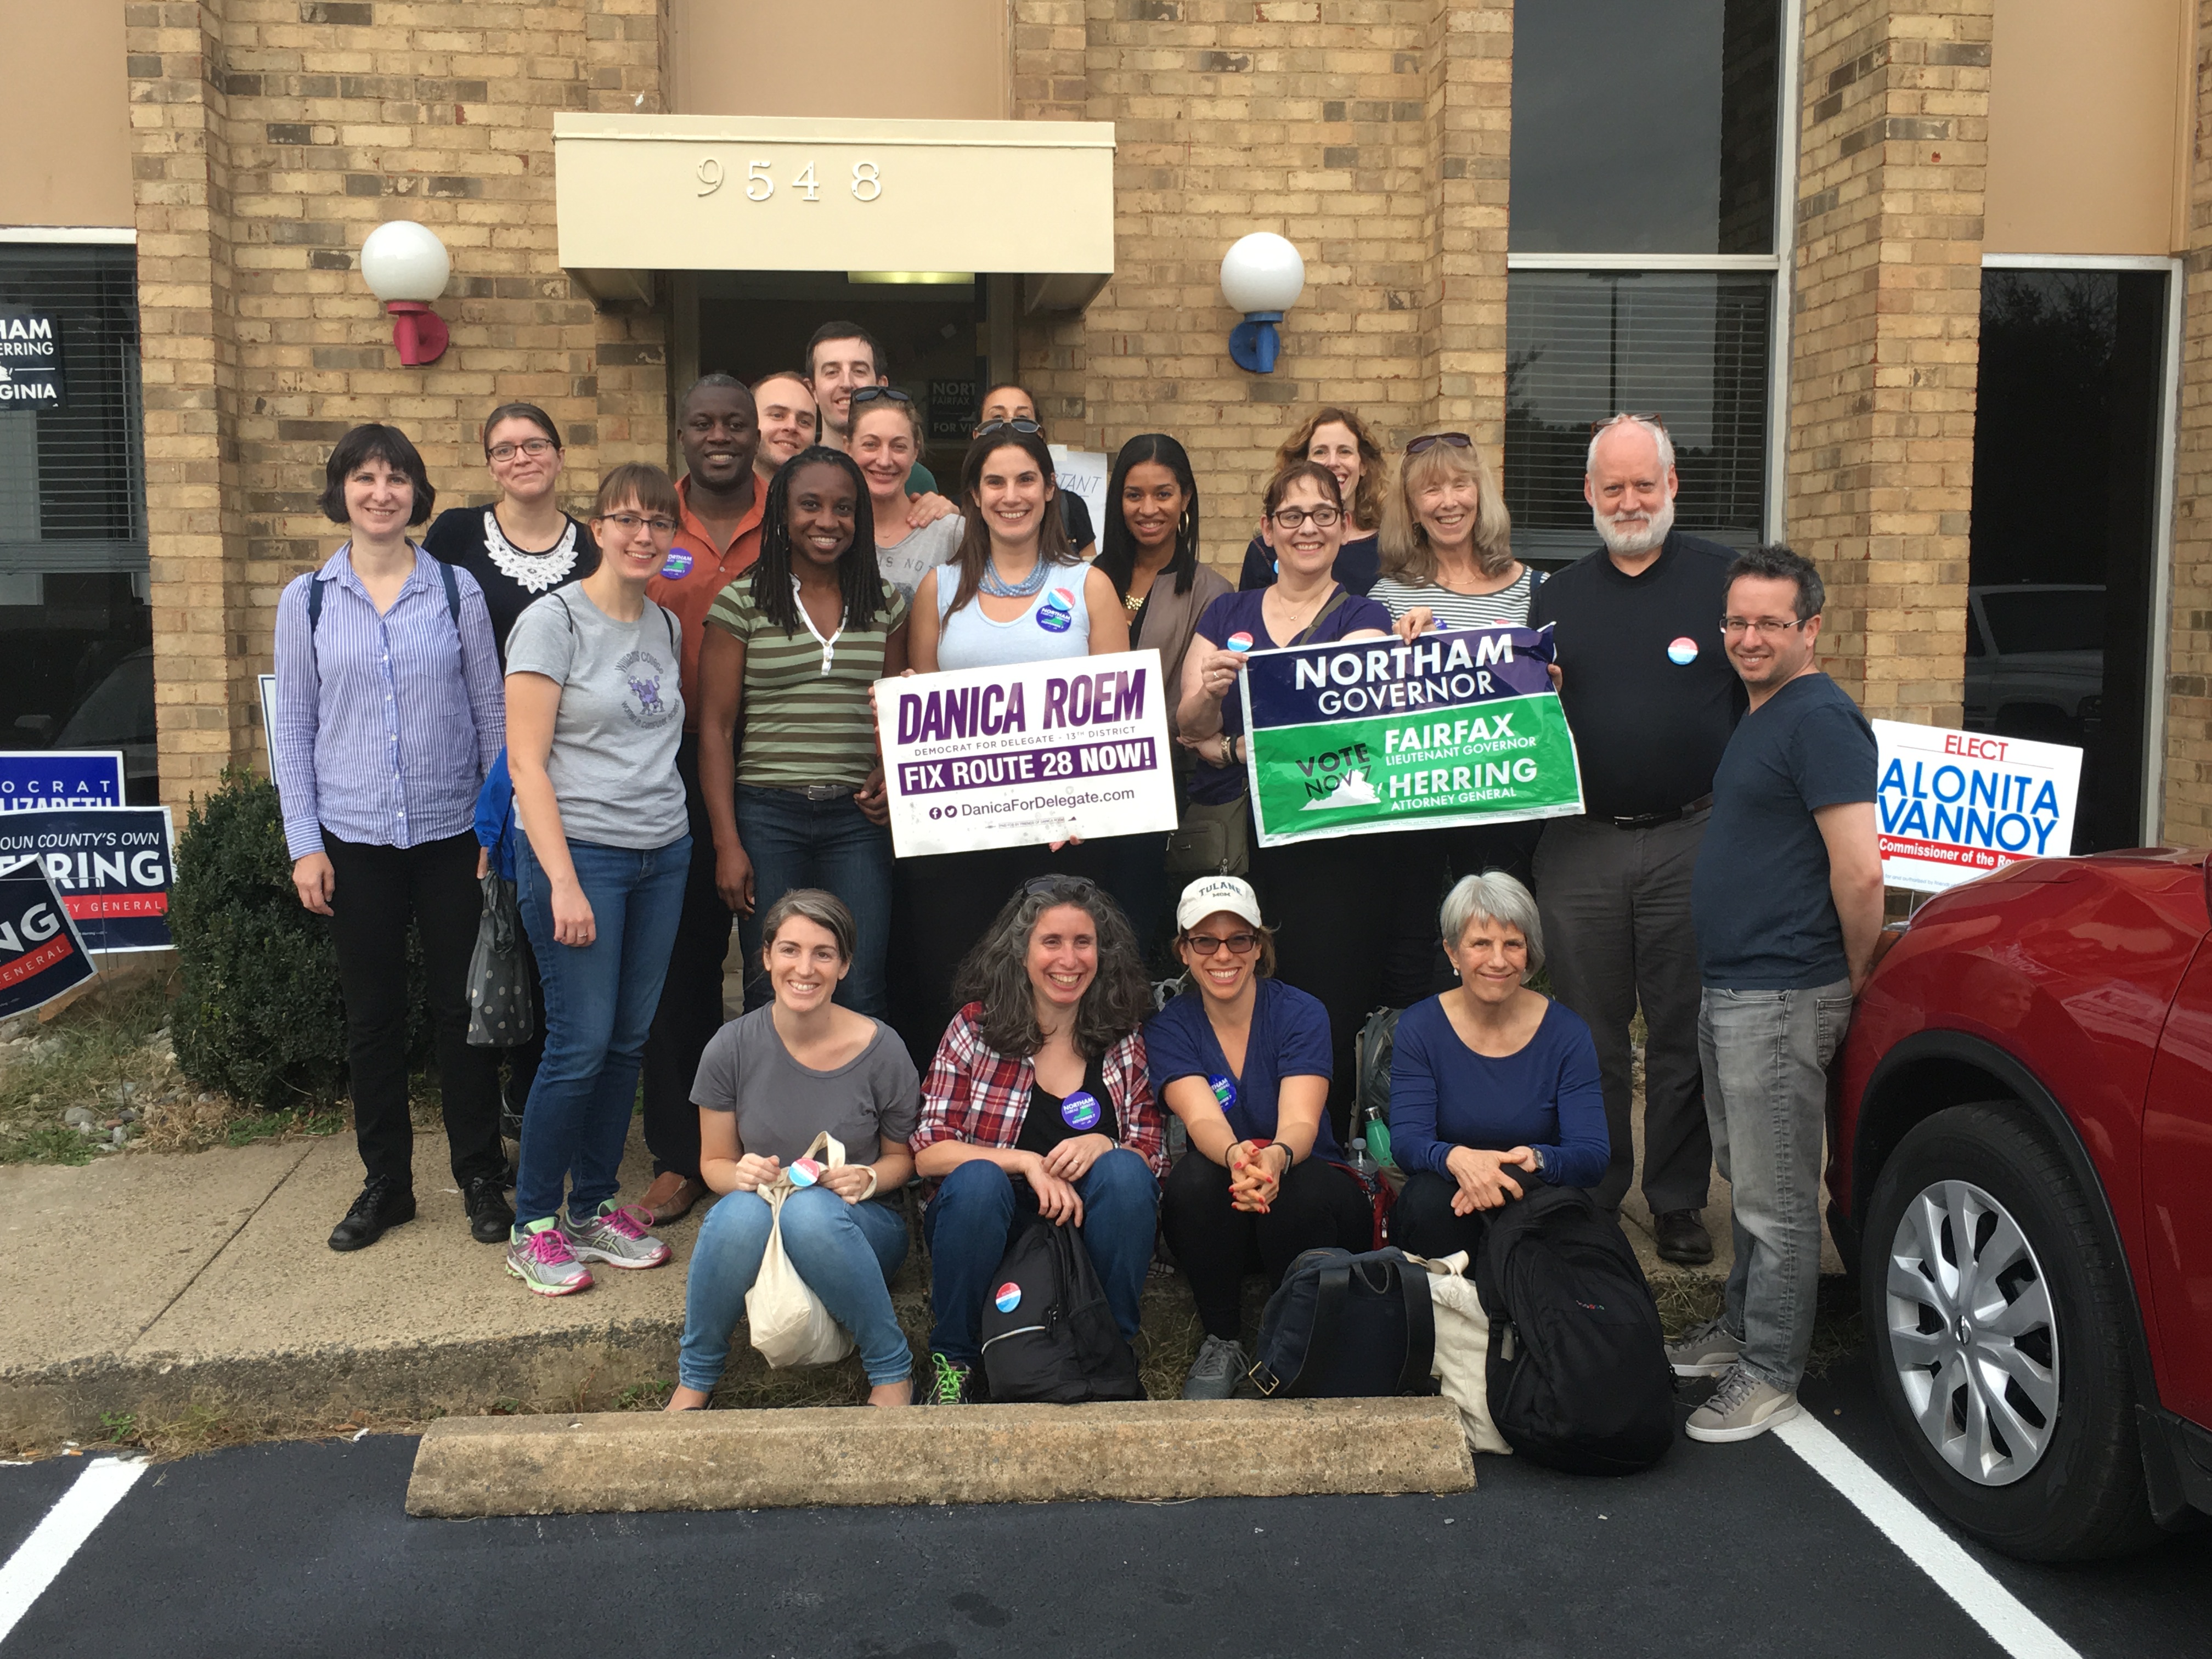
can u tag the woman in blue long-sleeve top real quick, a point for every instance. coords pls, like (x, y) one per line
(1491, 1083)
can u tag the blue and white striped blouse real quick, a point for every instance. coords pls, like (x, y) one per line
(386, 725)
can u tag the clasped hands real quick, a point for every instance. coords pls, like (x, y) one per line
(1483, 1182)
(1254, 1178)
(1052, 1175)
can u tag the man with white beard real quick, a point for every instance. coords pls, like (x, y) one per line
(1652, 701)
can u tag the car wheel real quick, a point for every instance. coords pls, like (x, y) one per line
(1995, 1320)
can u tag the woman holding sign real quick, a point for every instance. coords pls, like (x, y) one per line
(791, 650)
(1013, 593)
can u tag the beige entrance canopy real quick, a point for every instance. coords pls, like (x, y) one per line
(900, 199)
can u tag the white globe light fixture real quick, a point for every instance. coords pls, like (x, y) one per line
(406, 266)
(1261, 276)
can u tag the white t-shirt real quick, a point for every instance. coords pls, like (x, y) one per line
(904, 563)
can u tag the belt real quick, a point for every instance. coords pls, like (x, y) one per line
(1650, 820)
(820, 792)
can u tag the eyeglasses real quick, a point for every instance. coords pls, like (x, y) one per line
(1292, 517)
(533, 448)
(1027, 428)
(868, 394)
(1765, 626)
(1659, 421)
(1421, 446)
(1238, 944)
(628, 523)
(1072, 886)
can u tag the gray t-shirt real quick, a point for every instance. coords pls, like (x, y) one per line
(904, 563)
(613, 764)
(783, 1105)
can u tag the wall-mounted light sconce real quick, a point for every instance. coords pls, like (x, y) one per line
(1261, 276)
(406, 266)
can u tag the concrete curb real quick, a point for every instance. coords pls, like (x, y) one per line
(1147, 1450)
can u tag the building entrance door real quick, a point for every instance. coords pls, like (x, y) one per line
(2065, 537)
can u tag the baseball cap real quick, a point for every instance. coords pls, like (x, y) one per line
(1211, 893)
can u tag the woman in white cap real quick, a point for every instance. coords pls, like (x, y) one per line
(1243, 1060)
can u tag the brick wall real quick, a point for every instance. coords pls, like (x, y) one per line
(2188, 758)
(1372, 133)
(269, 137)
(1886, 322)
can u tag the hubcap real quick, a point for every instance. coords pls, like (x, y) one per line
(1972, 1332)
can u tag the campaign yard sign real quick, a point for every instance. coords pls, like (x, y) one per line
(1458, 728)
(1031, 752)
(110, 867)
(33, 779)
(1953, 806)
(41, 954)
(31, 361)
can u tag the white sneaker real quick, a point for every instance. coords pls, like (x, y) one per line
(1708, 1350)
(1741, 1408)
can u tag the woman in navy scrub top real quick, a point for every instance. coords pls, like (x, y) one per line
(1243, 1060)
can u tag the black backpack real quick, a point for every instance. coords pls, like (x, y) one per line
(1578, 1372)
(1345, 1327)
(1048, 1333)
(1372, 1049)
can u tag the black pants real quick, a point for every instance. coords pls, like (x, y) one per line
(1318, 1206)
(377, 890)
(690, 1010)
(1423, 1223)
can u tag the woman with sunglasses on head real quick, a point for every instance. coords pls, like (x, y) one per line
(1244, 1060)
(524, 545)
(1009, 407)
(1339, 440)
(594, 712)
(885, 437)
(1037, 1103)
(790, 650)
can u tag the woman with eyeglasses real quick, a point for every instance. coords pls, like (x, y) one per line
(1037, 1103)
(1244, 1060)
(790, 650)
(1340, 442)
(884, 438)
(523, 544)
(594, 712)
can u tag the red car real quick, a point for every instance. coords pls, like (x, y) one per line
(2020, 1166)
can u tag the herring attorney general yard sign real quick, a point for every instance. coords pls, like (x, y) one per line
(30, 362)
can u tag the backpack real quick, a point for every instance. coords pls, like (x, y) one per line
(1577, 1370)
(1345, 1327)
(1048, 1333)
(1371, 1074)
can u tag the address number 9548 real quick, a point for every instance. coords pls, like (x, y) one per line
(867, 182)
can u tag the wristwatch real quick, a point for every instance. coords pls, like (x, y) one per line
(1537, 1152)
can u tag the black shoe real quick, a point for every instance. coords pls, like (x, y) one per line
(383, 1203)
(1683, 1238)
(491, 1220)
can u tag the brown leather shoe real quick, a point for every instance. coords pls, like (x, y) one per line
(672, 1196)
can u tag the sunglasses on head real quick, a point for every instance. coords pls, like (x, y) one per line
(1423, 445)
(1597, 427)
(1070, 886)
(868, 394)
(1027, 428)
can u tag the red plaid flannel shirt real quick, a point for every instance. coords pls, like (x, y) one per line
(977, 1095)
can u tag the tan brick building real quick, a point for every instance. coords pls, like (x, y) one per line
(1819, 235)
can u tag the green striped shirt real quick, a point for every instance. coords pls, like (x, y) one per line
(804, 723)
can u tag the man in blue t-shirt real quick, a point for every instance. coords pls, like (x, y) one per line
(1787, 902)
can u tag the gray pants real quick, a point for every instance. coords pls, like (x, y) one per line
(1616, 910)
(1766, 1056)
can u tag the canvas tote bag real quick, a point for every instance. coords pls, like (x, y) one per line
(1461, 1365)
(789, 1325)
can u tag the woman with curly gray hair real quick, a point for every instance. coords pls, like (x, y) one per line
(1037, 1103)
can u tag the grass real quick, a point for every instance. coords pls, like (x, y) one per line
(1687, 1300)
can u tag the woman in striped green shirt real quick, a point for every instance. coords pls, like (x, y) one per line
(788, 653)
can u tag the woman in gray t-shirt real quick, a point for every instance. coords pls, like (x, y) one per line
(768, 1083)
(593, 716)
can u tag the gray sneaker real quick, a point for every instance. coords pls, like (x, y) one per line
(539, 1256)
(1741, 1408)
(1214, 1374)
(615, 1235)
(1708, 1350)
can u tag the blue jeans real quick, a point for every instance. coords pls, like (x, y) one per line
(797, 842)
(599, 999)
(846, 1253)
(969, 1222)
(1766, 1055)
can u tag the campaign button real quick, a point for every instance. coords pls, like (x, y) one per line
(1682, 651)
(1008, 1298)
(806, 1172)
(1054, 620)
(1080, 1110)
(677, 564)
(1238, 641)
(1225, 1090)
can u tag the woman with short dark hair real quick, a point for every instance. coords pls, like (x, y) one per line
(1037, 1104)
(388, 717)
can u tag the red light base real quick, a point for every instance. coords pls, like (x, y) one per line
(418, 332)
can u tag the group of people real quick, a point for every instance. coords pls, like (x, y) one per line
(657, 723)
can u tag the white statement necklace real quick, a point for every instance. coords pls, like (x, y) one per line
(535, 571)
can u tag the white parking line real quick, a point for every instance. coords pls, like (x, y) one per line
(39, 1561)
(1927, 1546)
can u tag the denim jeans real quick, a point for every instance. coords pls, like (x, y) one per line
(599, 999)
(969, 1222)
(797, 842)
(1766, 1055)
(846, 1253)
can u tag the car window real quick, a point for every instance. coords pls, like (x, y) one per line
(2045, 619)
(118, 710)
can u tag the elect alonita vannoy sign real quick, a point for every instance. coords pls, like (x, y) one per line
(1461, 727)
(30, 362)
(1957, 804)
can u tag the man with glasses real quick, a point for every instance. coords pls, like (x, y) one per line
(1788, 903)
(1009, 405)
(841, 358)
(1652, 702)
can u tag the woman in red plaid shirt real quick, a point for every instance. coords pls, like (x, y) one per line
(1037, 1103)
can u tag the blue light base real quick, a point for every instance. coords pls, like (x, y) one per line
(1254, 344)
